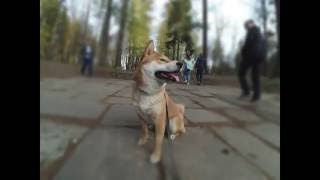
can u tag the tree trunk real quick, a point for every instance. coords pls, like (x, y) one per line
(104, 40)
(278, 21)
(136, 62)
(204, 41)
(121, 32)
(264, 16)
(277, 68)
(126, 62)
(87, 21)
(173, 50)
(129, 57)
(178, 51)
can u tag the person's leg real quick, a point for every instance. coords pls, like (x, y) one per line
(185, 75)
(243, 68)
(83, 67)
(90, 69)
(200, 76)
(255, 77)
(197, 75)
(189, 76)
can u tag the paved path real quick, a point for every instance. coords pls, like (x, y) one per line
(89, 131)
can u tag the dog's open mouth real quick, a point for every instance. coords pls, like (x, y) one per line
(173, 76)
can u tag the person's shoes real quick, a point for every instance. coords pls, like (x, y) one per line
(243, 96)
(185, 81)
(254, 99)
(188, 83)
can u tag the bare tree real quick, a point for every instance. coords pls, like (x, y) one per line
(277, 4)
(263, 14)
(104, 38)
(205, 32)
(87, 17)
(123, 21)
(277, 66)
(234, 40)
(218, 50)
(73, 10)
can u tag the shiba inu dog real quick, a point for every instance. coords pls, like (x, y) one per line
(152, 101)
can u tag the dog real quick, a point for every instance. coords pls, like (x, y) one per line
(151, 100)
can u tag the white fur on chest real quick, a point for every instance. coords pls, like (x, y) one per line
(149, 105)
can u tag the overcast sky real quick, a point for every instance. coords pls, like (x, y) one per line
(235, 12)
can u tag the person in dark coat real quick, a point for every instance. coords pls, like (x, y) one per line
(200, 67)
(253, 54)
(87, 56)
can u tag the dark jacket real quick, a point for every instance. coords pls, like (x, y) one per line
(200, 64)
(87, 56)
(254, 48)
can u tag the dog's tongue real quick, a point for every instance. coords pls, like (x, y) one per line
(175, 76)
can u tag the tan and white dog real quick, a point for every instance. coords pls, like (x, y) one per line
(150, 98)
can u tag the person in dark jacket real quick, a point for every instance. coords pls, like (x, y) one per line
(253, 54)
(87, 56)
(200, 65)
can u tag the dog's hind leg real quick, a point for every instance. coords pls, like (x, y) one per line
(144, 130)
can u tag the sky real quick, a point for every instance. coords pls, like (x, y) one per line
(234, 12)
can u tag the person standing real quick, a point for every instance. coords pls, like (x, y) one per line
(200, 65)
(87, 59)
(253, 54)
(188, 67)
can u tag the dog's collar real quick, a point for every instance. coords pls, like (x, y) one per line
(149, 93)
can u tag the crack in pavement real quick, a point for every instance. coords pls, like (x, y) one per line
(250, 108)
(215, 134)
(237, 123)
(49, 172)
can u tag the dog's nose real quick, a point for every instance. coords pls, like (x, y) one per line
(179, 64)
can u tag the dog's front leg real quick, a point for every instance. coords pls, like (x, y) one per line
(159, 134)
(144, 130)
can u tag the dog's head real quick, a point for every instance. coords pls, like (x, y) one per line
(156, 67)
(176, 122)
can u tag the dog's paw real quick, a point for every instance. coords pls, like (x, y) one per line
(172, 137)
(154, 158)
(142, 141)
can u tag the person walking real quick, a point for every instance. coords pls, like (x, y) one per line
(87, 54)
(188, 67)
(253, 54)
(200, 65)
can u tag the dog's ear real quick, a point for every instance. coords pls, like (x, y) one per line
(181, 108)
(149, 48)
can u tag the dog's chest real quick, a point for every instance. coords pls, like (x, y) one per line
(148, 105)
